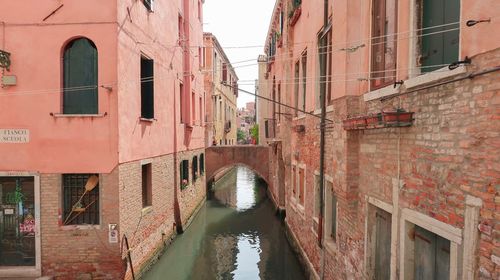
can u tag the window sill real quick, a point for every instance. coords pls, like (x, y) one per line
(80, 227)
(329, 109)
(147, 120)
(434, 76)
(421, 80)
(146, 210)
(380, 93)
(300, 117)
(59, 115)
(330, 246)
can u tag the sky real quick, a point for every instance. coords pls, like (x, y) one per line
(240, 23)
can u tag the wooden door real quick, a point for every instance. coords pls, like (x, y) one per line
(382, 245)
(432, 256)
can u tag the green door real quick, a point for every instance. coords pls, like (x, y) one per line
(432, 256)
(440, 44)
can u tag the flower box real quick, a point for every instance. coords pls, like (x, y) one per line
(354, 123)
(397, 118)
(373, 120)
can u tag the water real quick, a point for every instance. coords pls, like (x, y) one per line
(234, 236)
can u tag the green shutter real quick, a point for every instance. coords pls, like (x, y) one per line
(80, 78)
(440, 48)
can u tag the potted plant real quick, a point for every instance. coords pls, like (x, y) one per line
(184, 184)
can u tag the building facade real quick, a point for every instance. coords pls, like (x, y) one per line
(102, 130)
(222, 89)
(411, 93)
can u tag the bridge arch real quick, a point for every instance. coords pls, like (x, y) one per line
(254, 157)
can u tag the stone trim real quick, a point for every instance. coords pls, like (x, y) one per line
(410, 218)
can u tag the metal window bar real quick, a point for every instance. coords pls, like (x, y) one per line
(73, 189)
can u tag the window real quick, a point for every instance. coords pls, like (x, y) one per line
(193, 106)
(147, 192)
(195, 168)
(384, 43)
(439, 45)
(304, 80)
(294, 181)
(279, 102)
(181, 103)
(147, 88)
(200, 105)
(202, 164)
(148, 4)
(184, 173)
(325, 61)
(296, 86)
(199, 10)
(80, 77)
(181, 29)
(224, 73)
(302, 186)
(317, 195)
(330, 212)
(80, 199)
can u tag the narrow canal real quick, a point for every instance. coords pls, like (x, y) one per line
(236, 235)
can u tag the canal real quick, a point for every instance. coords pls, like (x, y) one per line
(235, 235)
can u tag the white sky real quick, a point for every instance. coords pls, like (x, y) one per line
(240, 23)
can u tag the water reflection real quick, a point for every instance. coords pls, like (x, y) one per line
(235, 236)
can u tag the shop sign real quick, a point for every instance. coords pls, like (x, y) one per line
(14, 135)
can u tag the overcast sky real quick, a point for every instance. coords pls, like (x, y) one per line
(240, 23)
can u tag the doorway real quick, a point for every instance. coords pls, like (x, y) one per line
(19, 224)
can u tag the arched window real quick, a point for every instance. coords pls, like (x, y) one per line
(80, 77)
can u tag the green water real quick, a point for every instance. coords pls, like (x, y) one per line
(236, 235)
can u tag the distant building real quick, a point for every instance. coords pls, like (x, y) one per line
(221, 86)
(101, 134)
(246, 116)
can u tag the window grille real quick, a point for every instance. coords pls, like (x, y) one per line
(79, 207)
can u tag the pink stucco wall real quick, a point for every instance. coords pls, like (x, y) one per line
(99, 143)
(155, 35)
(56, 144)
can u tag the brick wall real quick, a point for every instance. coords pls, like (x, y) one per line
(191, 197)
(70, 252)
(451, 151)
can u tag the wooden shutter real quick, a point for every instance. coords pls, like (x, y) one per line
(432, 256)
(333, 232)
(382, 245)
(80, 78)
(441, 48)
(384, 43)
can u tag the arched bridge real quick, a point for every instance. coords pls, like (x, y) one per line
(255, 157)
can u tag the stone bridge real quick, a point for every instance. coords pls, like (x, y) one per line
(218, 158)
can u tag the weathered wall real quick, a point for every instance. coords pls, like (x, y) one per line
(36, 49)
(70, 252)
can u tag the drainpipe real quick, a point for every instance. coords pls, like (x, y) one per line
(323, 80)
(177, 208)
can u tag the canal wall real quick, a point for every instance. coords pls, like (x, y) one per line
(150, 229)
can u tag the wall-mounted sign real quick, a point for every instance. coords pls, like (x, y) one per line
(8, 211)
(14, 135)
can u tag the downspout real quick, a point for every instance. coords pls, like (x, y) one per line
(323, 80)
(177, 209)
